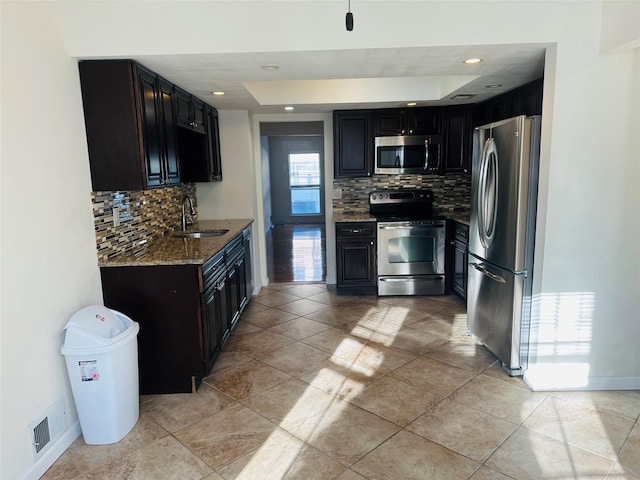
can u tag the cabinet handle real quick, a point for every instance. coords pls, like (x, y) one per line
(371, 243)
(410, 131)
(452, 242)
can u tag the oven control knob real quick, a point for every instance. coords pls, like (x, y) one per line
(373, 196)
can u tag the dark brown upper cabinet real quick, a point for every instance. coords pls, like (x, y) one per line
(191, 111)
(353, 144)
(524, 100)
(407, 121)
(457, 139)
(130, 124)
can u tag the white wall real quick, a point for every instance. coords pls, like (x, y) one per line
(49, 261)
(587, 260)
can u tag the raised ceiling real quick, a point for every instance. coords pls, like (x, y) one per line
(321, 81)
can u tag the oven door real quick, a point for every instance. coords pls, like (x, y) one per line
(411, 248)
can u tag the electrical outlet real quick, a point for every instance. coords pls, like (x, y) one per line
(116, 217)
(337, 193)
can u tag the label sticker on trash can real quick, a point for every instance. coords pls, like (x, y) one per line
(89, 370)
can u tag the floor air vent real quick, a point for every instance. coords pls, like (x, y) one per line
(46, 429)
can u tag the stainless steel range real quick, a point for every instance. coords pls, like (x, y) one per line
(411, 243)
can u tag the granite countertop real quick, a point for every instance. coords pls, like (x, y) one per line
(462, 217)
(170, 250)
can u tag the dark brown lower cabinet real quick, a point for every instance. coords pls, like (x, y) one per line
(356, 258)
(460, 258)
(166, 301)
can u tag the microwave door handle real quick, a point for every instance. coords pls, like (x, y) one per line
(426, 154)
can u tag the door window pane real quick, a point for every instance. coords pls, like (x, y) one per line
(304, 183)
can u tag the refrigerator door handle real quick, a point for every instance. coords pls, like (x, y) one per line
(482, 269)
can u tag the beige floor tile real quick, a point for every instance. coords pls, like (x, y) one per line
(371, 358)
(253, 307)
(630, 454)
(176, 411)
(299, 328)
(620, 472)
(282, 456)
(335, 341)
(346, 315)
(89, 458)
(297, 359)
(246, 380)
(408, 456)
(339, 381)
(290, 403)
(228, 359)
(499, 398)
(227, 435)
(213, 476)
(485, 473)
(267, 318)
(63, 469)
(625, 403)
(464, 430)
(447, 327)
(257, 344)
(330, 297)
(302, 307)
(308, 290)
(433, 376)
(414, 341)
(344, 432)
(350, 475)
(496, 371)
(243, 327)
(528, 455)
(393, 400)
(470, 357)
(270, 298)
(598, 432)
(164, 458)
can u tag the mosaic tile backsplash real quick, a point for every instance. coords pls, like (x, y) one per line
(144, 215)
(452, 193)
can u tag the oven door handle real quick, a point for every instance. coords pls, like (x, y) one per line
(409, 278)
(404, 226)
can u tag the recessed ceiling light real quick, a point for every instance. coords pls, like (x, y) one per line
(270, 67)
(218, 93)
(463, 96)
(471, 61)
(493, 85)
(288, 109)
(411, 104)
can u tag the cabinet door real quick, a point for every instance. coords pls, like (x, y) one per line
(198, 115)
(390, 122)
(166, 95)
(233, 304)
(356, 263)
(457, 140)
(423, 121)
(213, 137)
(459, 277)
(183, 107)
(211, 325)
(353, 144)
(151, 129)
(242, 282)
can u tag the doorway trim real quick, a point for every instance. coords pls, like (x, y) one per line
(327, 120)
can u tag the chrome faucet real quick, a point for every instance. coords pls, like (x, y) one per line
(187, 216)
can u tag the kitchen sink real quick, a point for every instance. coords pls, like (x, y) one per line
(202, 234)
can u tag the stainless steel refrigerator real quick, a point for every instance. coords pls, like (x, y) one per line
(504, 190)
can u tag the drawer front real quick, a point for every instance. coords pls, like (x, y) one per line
(211, 270)
(461, 232)
(356, 229)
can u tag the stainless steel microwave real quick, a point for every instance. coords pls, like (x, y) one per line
(408, 154)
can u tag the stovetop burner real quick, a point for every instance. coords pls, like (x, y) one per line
(402, 205)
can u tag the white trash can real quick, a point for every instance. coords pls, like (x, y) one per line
(101, 351)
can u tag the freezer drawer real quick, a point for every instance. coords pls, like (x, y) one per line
(494, 313)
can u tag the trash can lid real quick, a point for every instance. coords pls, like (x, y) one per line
(97, 326)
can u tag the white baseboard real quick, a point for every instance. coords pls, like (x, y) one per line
(54, 452)
(542, 381)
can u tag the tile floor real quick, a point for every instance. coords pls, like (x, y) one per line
(316, 386)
